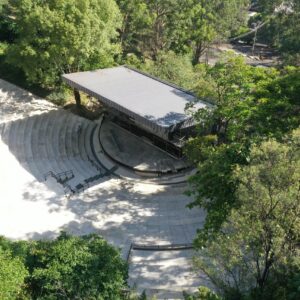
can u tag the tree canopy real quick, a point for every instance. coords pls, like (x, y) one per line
(57, 37)
(181, 26)
(261, 235)
(66, 268)
(251, 104)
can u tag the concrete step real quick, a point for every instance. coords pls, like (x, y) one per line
(84, 166)
(92, 140)
(164, 272)
(38, 164)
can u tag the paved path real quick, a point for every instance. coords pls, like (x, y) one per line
(123, 212)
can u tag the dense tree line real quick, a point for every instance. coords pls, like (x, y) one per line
(248, 180)
(56, 37)
(67, 36)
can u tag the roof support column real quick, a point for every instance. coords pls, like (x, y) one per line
(77, 98)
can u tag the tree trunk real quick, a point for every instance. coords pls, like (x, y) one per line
(77, 98)
(264, 276)
(198, 53)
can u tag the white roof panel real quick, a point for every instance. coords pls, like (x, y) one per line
(146, 96)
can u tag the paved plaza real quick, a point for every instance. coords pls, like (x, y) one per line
(36, 137)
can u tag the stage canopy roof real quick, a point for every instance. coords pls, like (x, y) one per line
(135, 93)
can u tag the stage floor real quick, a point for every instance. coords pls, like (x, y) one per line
(137, 153)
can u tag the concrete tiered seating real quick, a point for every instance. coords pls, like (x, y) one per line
(57, 141)
(40, 137)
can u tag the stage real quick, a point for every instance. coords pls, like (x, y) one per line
(137, 153)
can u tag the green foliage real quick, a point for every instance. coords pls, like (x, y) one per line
(3, 48)
(168, 66)
(219, 145)
(230, 85)
(66, 268)
(74, 267)
(277, 105)
(286, 27)
(203, 293)
(12, 275)
(174, 68)
(213, 186)
(267, 6)
(251, 104)
(57, 37)
(7, 22)
(208, 21)
(58, 96)
(283, 29)
(2, 3)
(262, 234)
(150, 27)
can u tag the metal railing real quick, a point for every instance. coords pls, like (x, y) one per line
(61, 177)
(68, 188)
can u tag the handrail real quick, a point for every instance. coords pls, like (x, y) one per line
(50, 173)
(58, 176)
(129, 252)
(65, 173)
(170, 247)
(67, 186)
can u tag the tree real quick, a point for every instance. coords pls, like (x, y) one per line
(263, 233)
(251, 104)
(57, 37)
(229, 85)
(68, 267)
(12, 275)
(7, 22)
(208, 21)
(149, 26)
(76, 268)
(283, 28)
(2, 3)
(286, 28)
(172, 67)
(221, 142)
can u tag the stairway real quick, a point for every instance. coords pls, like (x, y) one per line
(164, 274)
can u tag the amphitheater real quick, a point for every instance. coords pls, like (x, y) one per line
(55, 176)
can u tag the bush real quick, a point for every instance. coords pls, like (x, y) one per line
(203, 293)
(58, 96)
(12, 275)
